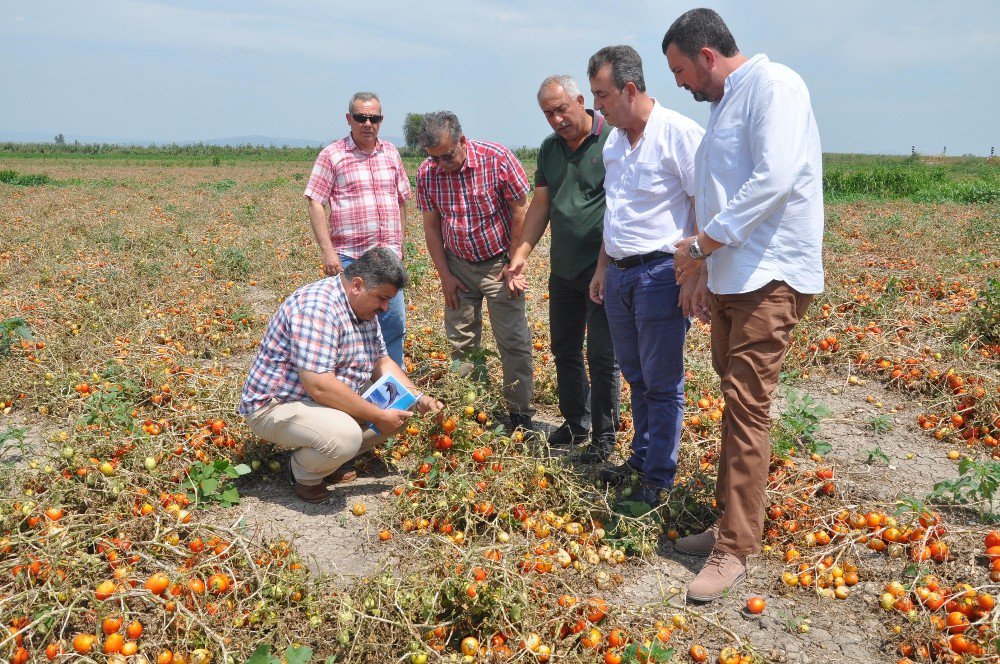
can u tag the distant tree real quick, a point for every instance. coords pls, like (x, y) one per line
(411, 128)
(60, 139)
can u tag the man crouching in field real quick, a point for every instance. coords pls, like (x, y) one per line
(321, 348)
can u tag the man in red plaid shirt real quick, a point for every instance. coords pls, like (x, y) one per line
(363, 182)
(473, 196)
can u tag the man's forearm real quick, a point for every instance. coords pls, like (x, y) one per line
(402, 223)
(320, 225)
(435, 243)
(535, 220)
(517, 209)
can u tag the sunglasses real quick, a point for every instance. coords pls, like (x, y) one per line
(361, 118)
(447, 157)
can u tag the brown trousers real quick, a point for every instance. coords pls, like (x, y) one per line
(750, 333)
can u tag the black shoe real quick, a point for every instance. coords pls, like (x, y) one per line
(567, 435)
(648, 494)
(617, 474)
(598, 450)
(524, 423)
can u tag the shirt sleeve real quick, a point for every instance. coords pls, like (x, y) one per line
(403, 181)
(540, 180)
(320, 184)
(425, 202)
(315, 339)
(685, 147)
(515, 180)
(777, 135)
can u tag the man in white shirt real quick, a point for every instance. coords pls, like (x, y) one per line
(759, 202)
(649, 183)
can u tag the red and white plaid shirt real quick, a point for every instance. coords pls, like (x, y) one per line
(364, 192)
(315, 329)
(473, 201)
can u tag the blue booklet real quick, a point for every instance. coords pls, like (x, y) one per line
(388, 392)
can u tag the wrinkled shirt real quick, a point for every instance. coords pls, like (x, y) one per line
(759, 182)
(649, 187)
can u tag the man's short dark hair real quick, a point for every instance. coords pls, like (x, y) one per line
(626, 65)
(379, 266)
(698, 28)
(436, 125)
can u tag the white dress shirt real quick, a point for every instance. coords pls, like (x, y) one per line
(759, 181)
(649, 187)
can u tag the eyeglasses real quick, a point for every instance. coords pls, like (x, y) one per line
(362, 118)
(447, 157)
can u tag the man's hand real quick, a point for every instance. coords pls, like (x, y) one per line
(685, 267)
(450, 285)
(701, 299)
(391, 420)
(331, 264)
(426, 404)
(513, 274)
(688, 289)
(597, 285)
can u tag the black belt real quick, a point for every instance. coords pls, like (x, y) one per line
(632, 261)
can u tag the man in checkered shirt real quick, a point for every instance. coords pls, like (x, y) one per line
(321, 349)
(363, 182)
(473, 196)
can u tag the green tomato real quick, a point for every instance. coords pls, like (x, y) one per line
(68, 452)
(149, 463)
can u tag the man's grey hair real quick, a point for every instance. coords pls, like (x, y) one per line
(567, 82)
(626, 65)
(379, 266)
(699, 28)
(362, 96)
(435, 126)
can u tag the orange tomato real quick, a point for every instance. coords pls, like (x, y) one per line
(113, 643)
(698, 653)
(992, 538)
(596, 609)
(617, 638)
(111, 624)
(130, 648)
(197, 586)
(157, 583)
(134, 630)
(83, 643)
(105, 590)
(218, 583)
(755, 605)
(165, 657)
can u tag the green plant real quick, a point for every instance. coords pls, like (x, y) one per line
(876, 454)
(113, 405)
(233, 263)
(975, 486)
(16, 435)
(11, 329)
(983, 319)
(293, 655)
(11, 177)
(799, 426)
(879, 425)
(652, 653)
(207, 482)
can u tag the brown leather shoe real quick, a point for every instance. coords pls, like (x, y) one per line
(311, 494)
(342, 475)
(720, 574)
(700, 544)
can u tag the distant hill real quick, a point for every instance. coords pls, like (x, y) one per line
(253, 139)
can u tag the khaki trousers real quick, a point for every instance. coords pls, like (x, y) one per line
(750, 333)
(323, 439)
(464, 326)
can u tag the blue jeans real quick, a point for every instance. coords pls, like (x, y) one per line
(648, 331)
(392, 322)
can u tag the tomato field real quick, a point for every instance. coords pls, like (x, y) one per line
(141, 522)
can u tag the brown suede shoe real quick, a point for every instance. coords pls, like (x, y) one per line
(720, 574)
(342, 475)
(700, 544)
(311, 494)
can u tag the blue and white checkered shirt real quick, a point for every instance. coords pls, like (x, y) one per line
(315, 330)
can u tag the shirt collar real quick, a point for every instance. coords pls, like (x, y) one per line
(744, 70)
(342, 293)
(351, 145)
(471, 156)
(598, 125)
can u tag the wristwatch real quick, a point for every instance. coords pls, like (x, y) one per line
(695, 250)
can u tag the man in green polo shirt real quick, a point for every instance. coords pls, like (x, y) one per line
(569, 191)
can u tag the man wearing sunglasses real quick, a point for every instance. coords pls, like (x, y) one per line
(473, 196)
(362, 181)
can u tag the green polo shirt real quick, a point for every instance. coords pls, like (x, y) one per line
(576, 198)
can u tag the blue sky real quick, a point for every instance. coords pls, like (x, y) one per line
(883, 75)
